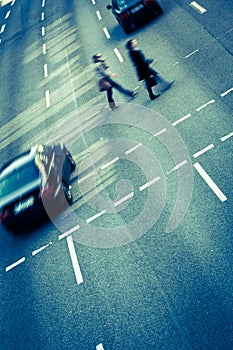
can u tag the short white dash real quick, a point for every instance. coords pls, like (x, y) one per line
(110, 163)
(93, 2)
(41, 248)
(224, 138)
(96, 216)
(205, 105)
(47, 98)
(13, 2)
(181, 119)
(146, 185)
(98, 15)
(42, 16)
(207, 148)
(177, 166)
(91, 116)
(7, 14)
(106, 33)
(2, 28)
(133, 148)
(74, 259)
(45, 70)
(210, 182)
(192, 53)
(67, 233)
(198, 7)
(99, 347)
(43, 31)
(10, 267)
(120, 58)
(160, 132)
(86, 177)
(122, 200)
(44, 48)
(226, 92)
(43, 3)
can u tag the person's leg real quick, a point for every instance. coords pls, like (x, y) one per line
(159, 79)
(121, 89)
(149, 89)
(111, 101)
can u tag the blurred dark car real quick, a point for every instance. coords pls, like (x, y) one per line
(131, 13)
(35, 179)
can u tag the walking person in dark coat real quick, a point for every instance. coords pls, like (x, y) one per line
(143, 69)
(102, 70)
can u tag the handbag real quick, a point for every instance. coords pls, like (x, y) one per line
(104, 84)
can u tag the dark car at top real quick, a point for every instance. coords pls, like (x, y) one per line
(34, 180)
(132, 13)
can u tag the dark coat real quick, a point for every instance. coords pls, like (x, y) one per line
(140, 63)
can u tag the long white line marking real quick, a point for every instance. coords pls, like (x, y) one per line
(45, 70)
(120, 58)
(44, 48)
(106, 33)
(122, 200)
(99, 347)
(43, 31)
(143, 187)
(197, 7)
(7, 14)
(86, 177)
(2, 28)
(133, 148)
(10, 267)
(41, 248)
(224, 138)
(207, 148)
(177, 166)
(96, 216)
(205, 105)
(160, 132)
(181, 119)
(47, 98)
(98, 15)
(226, 92)
(67, 233)
(74, 259)
(190, 54)
(110, 163)
(210, 182)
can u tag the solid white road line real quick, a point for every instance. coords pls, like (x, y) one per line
(133, 148)
(181, 119)
(190, 54)
(226, 137)
(98, 15)
(41, 248)
(122, 200)
(47, 98)
(177, 166)
(143, 187)
(198, 7)
(207, 148)
(120, 58)
(205, 105)
(99, 347)
(210, 182)
(110, 163)
(74, 259)
(106, 33)
(160, 132)
(67, 233)
(226, 92)
(96, 216)
(10, 267)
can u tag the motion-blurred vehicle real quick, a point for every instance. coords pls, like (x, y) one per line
(33, 180)
(131, 13)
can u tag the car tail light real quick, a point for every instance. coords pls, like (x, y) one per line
(147, 2)
(4, 214)
(124, 15)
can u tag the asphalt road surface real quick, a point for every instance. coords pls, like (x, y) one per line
(143, 257)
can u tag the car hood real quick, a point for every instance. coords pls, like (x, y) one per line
(21, 192)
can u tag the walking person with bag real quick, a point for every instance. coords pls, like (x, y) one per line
(106, 82)
(143, 69)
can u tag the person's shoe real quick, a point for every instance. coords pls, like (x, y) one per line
(114, 107)
(153, 97)
(169, 85)
(134, 94)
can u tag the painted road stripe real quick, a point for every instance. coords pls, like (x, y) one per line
(120, 58)
(226, 92)
(44, 48)
(7, 14)
(43, 3)
(74, 259)
(43, 31)
(41, 248)
(67, 233)
(160, 132)
(10, 267)
(197, 7)
(224, 138)
(122, 200)
(47, 98)
(181, 119)
(210, 182)
(207, 148)
(86, 177)
(192, 53)
(205, 105)
(143, 187)
(106, 33)
(177, 166)
(13, 2)
(110, 163)
(93, 2)
(99, 347)
(96, 216)
(133, 148)
(2, 28)
(98, 15)
(42, 16)
(45, 70)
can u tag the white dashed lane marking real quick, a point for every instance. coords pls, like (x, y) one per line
(205, 105)
(18, 262)
(146, 185)
(69, 232)
(207, 148)
(96, 216)
(198, 7)
(106, 33)
(120, 58)
(98, 15)
(74, 259)
(181, 119)
(41, 248)
(192, 53)
(177, 166)
(99, 347)
(226, 92)
(122, 200)
(226, 137)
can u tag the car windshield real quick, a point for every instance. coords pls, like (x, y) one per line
(18, 178)
(124, 4)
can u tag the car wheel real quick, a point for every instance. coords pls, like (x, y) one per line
(72, 162)
(158, 10)
(68, 193)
